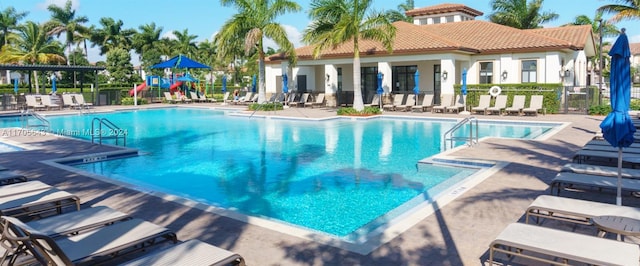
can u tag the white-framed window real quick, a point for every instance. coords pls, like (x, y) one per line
(486, 72)
(529, 71)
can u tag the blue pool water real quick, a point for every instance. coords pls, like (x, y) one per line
(340, 177)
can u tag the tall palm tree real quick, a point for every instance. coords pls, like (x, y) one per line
(185, 42)
(400, 14)
(64, 20)
(112, 36)
(255, 21)
(520, 14)
(9, 19)
(335, 22)
(146, 37)
(628, 10)
(33, 46)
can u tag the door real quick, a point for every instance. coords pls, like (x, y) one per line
(302, 83)
(436, 84)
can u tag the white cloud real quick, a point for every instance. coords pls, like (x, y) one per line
(294, 35)
(634, 38)
(61, 3)
(169, 35)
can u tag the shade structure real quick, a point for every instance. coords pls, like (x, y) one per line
(15, 86)
(285, 83)
(253, 84)
(180, 61)
(416, 81)
(187, 77)
(617, 127)
(54, 88)
(224, 83)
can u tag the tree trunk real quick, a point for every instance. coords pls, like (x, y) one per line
(35, 76)
(357, 91)
(262, 96)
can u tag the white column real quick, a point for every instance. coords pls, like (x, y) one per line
(330, 79)
(385, 69)
(448, 66)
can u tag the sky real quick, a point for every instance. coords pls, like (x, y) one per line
(204, 18)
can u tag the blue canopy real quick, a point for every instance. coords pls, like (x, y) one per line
(463, 89)
(187, 77)
(380, 90)
(180, 61)
(416, 77)
(253, 83)
(285, 83)
(224, 83)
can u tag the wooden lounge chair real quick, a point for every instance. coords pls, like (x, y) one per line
(425, 105)
(549, 245)
(191, 252)
(499, 105)
(398, 99)
(93, 246)
(516, 106)
(446, 100)
(457, 105)
(483, 104)
(67, 101)
(46, 101)
(592, 181)
(575, 210)
(535, 105)
(37, 202)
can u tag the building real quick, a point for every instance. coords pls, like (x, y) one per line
(443, 40)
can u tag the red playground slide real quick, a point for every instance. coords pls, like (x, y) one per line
(174, 86)
(138, 89)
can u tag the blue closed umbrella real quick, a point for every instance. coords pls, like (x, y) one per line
(416, 88)
(463, 89)
(53, 84)
(285, 83)
(380, 90)
(224, 83)
(15, 86)
(617, 127)
(253, 83)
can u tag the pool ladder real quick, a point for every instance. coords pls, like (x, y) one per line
(26, 116)
(471, 138)
(110, 131)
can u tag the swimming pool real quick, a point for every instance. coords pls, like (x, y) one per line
(340, 177)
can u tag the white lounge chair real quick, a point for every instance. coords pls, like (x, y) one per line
(10, 177)
(549, 245)
(319, 101)
(458, 104)
(600, 170)
(397, 101)
(194, 96)
(375, 101)
(22, 187)
(595, 181)
(203, 98)
(80, 100)
(408, 104)
(46, 101)
(582, 156)
(303, 99)
(535, 105)
(575, 210)
(483, 104)
(516, 106)
(499, 105)
(38, 201)
(425, 105)
(67, 101)
(445, 100)
(169, 98)
(189, 253)
(32, 103)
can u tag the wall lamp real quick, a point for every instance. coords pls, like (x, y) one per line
(445, 74)
(328, 77)
(505, 74)
(564, 74)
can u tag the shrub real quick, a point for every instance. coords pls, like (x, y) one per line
(129, 101)
(265, 106)
(369, 110)
(599, 109)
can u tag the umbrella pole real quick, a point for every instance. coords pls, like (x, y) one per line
(619, 193)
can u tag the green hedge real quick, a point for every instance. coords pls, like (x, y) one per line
(552, 93)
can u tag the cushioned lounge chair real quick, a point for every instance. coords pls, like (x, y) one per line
(605, 143)
(594, 181)
(92, 246)
(37, 202)
(192, 252)
(516, 106)
(575, 210)
(425, 105)
(535, 105)
(550, 245)
(600, 170)
(10, 177)
(483, 104)
(22, 187)
(446, 100)
(499, 105)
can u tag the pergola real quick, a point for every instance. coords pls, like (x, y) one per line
(65, 68)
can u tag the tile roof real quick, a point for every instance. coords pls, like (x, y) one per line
(576, 35)
(635, 48)
(443, 8)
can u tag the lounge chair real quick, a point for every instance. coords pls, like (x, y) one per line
(10, 177)
(457, 105)
(610, 148)
(549, 245)
(446, 100)
(516, 106)
(80, 100)
(605, 143)
(194, 96)
(499, 105)
(225, 97)
(67, 101)
(425, 105)
(596, 181)
(46, 101)
(303, 99)
(535, 105)
(22, 187)
(600, 170)
(37, 202)
(375, 101)
(32, 103)
(182, 98)
(409, 103)
(93, 246)
(169, 98)
(319, 101)
(291, 97)
(246, 99)
(204, 99)
(483, 104)
(582, 156)
(398, 99)
(575, 210)
(189, 253)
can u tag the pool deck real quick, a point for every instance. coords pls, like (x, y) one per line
(458, 234)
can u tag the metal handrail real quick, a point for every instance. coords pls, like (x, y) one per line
(114, 132)
(44, 123)
(472, 139)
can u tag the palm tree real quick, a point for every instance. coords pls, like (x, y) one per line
(400, 14)
(335, 22)
(112, 36)
(9, 19)
(520, 14)
(185, 42)
(630, 9)
(33, 46)
(255, 21)
(64, 20)
(145, 39)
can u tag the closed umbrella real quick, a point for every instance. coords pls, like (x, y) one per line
(253, 83)
(15, 85)
(617, 127)
(53, 84)
(379, 91)
(416, 89)
(224, 83)
(463, 90)
(285, 83)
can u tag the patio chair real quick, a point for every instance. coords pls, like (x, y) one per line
(204, 99)
(303, 99)
(535, 105)
(80, 100)
(409, 103)
(194, 96)
(516, 106)
(446, 100)
(483, 104)
(457, 105)
(93, 246)
(575, 210)
(375, 101)
(426, 104)
(398, 99)
(246, 99)
(188, 253)
(46, 101)
(32, 103)
(38, 202)
(545, 244)
(225, 97)
(67, 101)
(169, 98)
(563, 179)
(319, 101)
(499, 105)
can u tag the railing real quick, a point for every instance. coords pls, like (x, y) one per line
(111, 131)
(26, 116)
(471, 139)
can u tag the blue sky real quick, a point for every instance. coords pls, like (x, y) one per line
(204, 18)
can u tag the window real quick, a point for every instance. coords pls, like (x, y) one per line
(449, 19)
(529, 71)
(486, 72)
(436, 20)
(404, 78)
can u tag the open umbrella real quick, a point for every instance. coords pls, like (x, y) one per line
(379, 91)
(617, 127)
(416, 88)
(253, 83)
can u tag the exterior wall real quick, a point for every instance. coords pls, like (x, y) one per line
(309, 71)
(271, 72)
